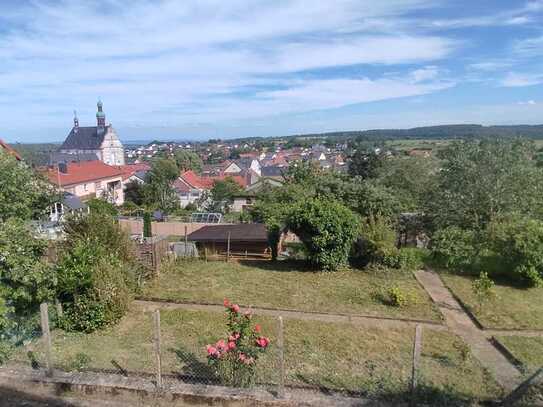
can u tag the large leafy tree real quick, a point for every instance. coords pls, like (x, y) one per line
(327, 229)
(223, 193)
(365, 162)
(482, 180)
(159, 189)
(23, 193)
(188, 160)
(409, 179)
(25, 278)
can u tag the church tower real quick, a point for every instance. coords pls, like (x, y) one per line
(100, 118)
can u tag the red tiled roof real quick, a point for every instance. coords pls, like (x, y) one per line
(198, 182)
(10, 150)
(80, 172)
(130, 169)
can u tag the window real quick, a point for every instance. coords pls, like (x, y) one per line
(85, 187)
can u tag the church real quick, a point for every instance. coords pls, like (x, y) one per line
(99, 142)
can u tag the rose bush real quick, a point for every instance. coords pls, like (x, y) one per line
(234, 358)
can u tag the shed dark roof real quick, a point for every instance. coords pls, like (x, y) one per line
(85, 138)
(244, 232)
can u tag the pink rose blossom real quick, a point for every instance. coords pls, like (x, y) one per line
(231, 345)
(226, 303)
(257, 328)
(235, 308)
(262, 342)
(212, 351)
(221, 345)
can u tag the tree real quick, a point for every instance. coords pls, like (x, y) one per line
(147, 225)
(134, 192)
(23, 194)
(327, 229)
(188, 160)
(102, 206)
(365, 163)
(25, 278)
(159, 190)
(409, 179)
(482, 180)
(223, 193)
(517, 242)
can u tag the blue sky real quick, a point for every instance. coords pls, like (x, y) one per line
(215, 68)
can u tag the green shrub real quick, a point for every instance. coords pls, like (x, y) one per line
(85, 314)
(327, 229)
(378, 242)
(483, 289)
(96, 277)
(395, 296)
(410, 258)
(454, 247)
(518, 243)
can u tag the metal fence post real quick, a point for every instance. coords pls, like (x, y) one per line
(281, 356)
(417, 348)
(228, 248)
(156, 317)
(186, 242)
(46, 334)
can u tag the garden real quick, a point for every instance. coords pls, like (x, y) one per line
(335, 356)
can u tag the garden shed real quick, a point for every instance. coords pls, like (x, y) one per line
(245, 239)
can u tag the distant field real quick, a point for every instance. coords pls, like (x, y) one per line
(290, 285)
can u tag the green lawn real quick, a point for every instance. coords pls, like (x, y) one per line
(288, 285)
(528, 350)
(331, 355)
(514, 308)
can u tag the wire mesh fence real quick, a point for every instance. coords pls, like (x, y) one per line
(310, 355)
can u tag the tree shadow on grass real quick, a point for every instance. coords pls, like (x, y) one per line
(280, 265)
(193, 370)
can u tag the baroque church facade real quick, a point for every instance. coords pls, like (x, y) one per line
(100, 141)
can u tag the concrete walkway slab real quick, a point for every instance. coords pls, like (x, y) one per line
(459, 322)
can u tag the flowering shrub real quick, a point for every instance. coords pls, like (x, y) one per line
(234, 358)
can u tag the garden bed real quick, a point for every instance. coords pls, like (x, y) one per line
(342, 357)
(513, 308)
(290, 285)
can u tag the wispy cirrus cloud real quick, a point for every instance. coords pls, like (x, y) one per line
(516, 79)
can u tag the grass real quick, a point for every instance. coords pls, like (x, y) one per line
(513, 308)
(288, 285)
(528, 350)
(335, 356)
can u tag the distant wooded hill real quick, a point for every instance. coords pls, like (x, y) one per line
(429, 132)
(437, 132)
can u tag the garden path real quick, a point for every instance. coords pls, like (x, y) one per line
(362, 320)
(460, 323)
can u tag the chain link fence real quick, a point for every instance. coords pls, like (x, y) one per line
(170, 346)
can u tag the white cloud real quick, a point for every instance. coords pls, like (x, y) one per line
(489, 66)
(425, 74)
(514, 79)
(529, 47)
(527, 102)
(168, 59)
